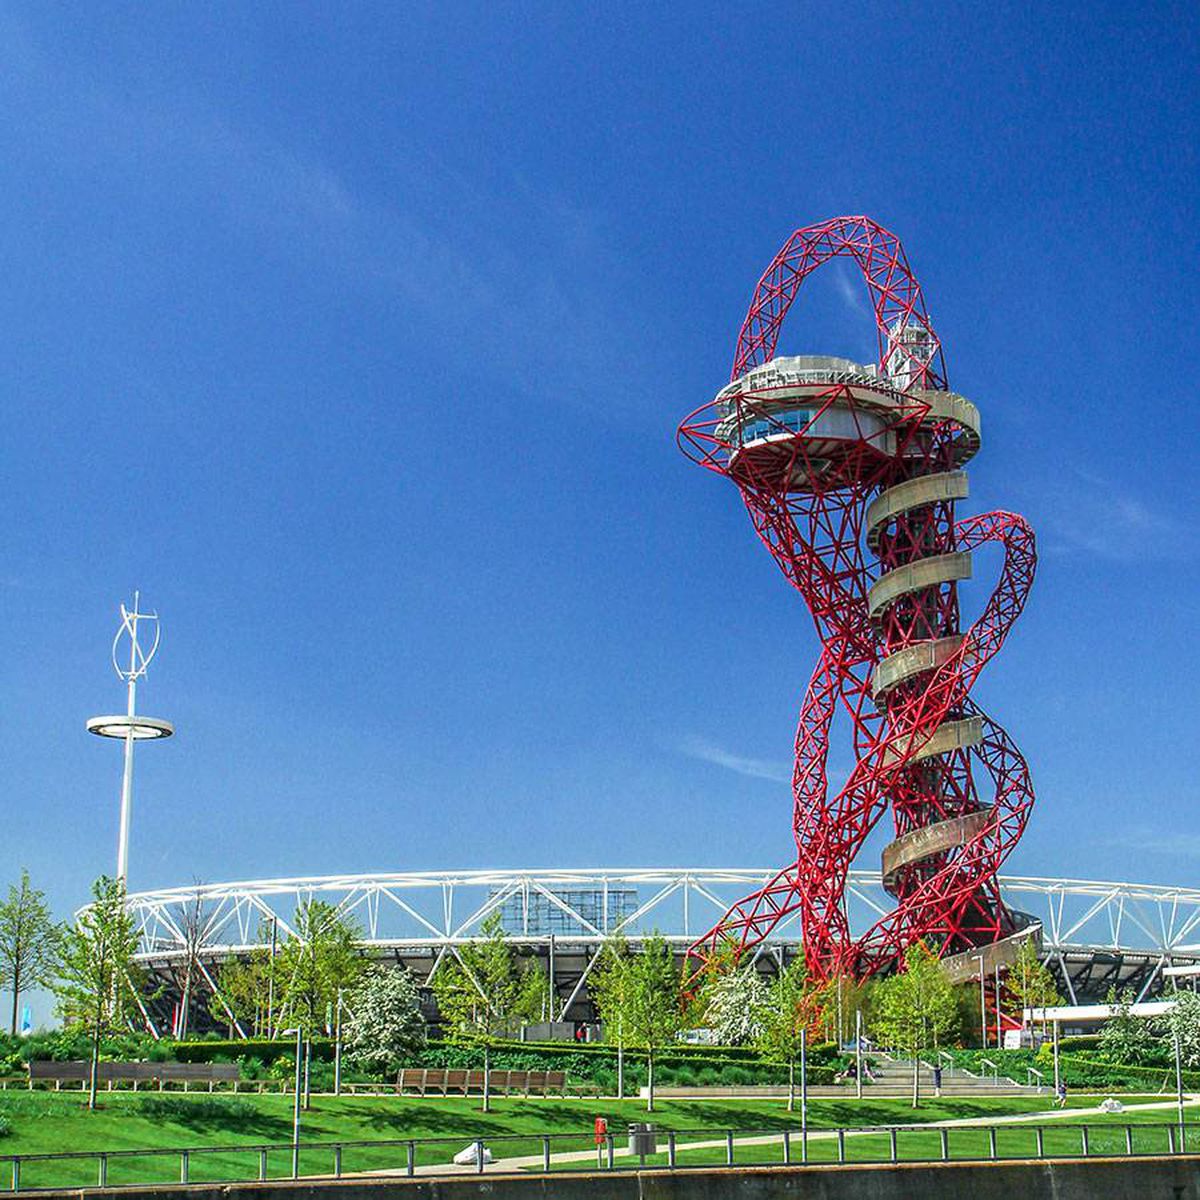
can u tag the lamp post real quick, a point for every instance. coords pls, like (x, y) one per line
(858, 1059)
(296, 1105)
(982, 1001)
(804, 1093)
(1179, 1085)
(337, 1046)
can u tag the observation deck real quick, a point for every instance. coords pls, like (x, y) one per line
(817, 421)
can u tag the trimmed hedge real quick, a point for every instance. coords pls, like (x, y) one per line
(592, 1062)
(681, 1064)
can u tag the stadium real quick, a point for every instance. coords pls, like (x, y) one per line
(850, 473)
(1094, 935)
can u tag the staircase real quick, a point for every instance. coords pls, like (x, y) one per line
(893, 1077)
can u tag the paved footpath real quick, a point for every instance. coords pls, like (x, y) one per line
(568, 1157)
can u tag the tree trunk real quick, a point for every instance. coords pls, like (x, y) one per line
(16, 990)
(95, 1071)
(487, 1078)
(650, 1080)
(916, 1100)
(620, 1071)
(792, 1085)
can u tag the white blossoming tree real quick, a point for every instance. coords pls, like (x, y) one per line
(385, 1025)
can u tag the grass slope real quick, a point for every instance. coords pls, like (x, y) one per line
(51, 1123)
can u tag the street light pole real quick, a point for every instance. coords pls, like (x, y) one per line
(999, 1034)
(804, 1093)
(982, 1001)
(858, 1060)
(296, 1107)
(337, 1047)
(1179, 1086)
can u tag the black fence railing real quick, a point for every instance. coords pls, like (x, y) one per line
(676, 1149)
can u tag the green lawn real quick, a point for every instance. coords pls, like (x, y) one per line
(46, 1122)
(1061, 1137)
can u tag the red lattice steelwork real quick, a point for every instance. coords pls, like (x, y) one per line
(850, 475)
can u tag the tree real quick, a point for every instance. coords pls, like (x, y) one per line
(243, 986)
(608, 988)
(1124, 1038)
(653, 1003)
(481, 994)
(98, 982)
(786, 1012)
(193, 926)
(838, 998)
(319, 961)
(1030, 981)
(29, 940)
(1183, 1021)
(917, 1006)
(385, 1024)
(733, 1004)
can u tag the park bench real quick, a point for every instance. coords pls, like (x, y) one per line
(135, 1073)
(426, 1081)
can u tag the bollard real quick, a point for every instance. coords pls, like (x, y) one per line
(608, 1137)
(992, 1142)
(262, 1164)
(671, 1149)
(1129, 1140)
(102, 1174)
(841, 1145)
(1083, 1139)
(787, 1146)
(16, 1175)
(945, 1145)
(183, 1166)
(1041, 1142)
(546, 1154)
(479, 1155)
(1171, 1140)
(893, 1139)
(729, 1148)
(410, 1155)
(337, 1161)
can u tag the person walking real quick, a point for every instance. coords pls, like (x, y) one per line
(1060, 1095)
(937, 1081)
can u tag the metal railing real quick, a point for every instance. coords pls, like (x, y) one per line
(676, 1149)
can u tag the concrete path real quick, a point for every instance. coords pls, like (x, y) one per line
(564, 1158)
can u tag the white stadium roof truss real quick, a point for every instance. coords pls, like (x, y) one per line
(437, 910)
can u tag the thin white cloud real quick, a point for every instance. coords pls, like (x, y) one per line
(752, 768)
(423, 237)
(1091, 515)
(1180, 845)
(850, 288)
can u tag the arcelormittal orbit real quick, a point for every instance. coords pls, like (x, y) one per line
(851, 474)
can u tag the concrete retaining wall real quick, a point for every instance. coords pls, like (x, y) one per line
(1147, 1178)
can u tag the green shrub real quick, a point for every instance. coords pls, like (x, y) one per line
(190, 1110)
(5, 1127)
(1083, 1041)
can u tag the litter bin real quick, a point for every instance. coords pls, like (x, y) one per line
(643, 1140)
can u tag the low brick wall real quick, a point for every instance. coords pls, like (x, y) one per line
(1176, 1178)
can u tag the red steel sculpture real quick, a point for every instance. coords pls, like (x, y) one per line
(850, 474)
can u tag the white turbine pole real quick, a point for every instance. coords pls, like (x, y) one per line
(130, 727)
(127, 779)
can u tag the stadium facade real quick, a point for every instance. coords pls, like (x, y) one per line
(1094, 934)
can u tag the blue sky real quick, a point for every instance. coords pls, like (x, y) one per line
(356, 337)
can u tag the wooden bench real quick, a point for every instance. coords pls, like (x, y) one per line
(135, 1073)
(426, 1081)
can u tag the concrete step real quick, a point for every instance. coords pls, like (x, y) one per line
(825, 1092)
